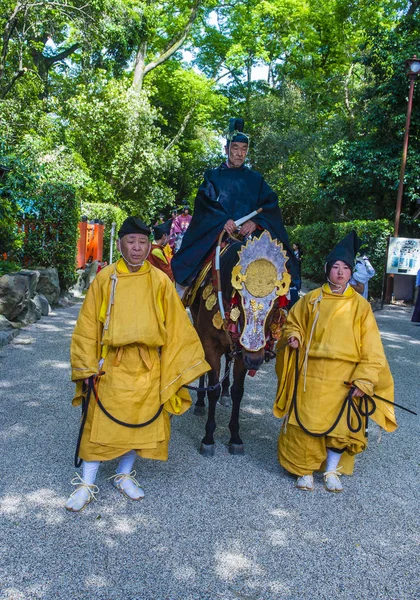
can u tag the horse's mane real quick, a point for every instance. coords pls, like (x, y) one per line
(228, 260)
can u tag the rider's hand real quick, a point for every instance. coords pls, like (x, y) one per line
(357, 393)
(293, 342)
(247, 228)
(230, 227)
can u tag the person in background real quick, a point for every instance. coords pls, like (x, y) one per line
(297, 250)
(180, 226)
(416, 314)
(362, 273)
(157, 257)
(172, 233)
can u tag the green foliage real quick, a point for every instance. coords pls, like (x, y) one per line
(10, 239)
(51, 230)
(108, 214)
(8, 266)
(98, 96)
(318, 239)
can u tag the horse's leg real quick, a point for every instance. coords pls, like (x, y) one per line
(225, 397)
(207, 443)
(236, 445)
(199, 406)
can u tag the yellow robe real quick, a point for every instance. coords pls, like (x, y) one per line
(149, 350)
(339, 341)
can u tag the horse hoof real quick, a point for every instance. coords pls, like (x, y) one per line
(207, 449)
(199, 410)
(236, 449)
(225, 401)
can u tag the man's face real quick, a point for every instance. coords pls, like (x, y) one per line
(236, 153)
(134, 247)
(185, 212)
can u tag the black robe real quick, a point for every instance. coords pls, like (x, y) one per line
(228, 194)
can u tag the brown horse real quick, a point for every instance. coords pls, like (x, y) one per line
(253, 303)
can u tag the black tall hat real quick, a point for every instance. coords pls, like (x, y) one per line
(160, 230)
(236, 131)
(133, 225)
(345, 250)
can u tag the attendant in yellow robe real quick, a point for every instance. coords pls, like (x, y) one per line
(160, 253)
(133, 331)
(338, 340)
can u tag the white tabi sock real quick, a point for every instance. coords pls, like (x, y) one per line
(89, 471)
(125, 480)
(126, 462)
(85, 487)
(333, 458)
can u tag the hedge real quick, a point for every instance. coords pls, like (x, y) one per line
(108, 214)
(318, 239)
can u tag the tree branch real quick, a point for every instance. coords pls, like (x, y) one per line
(176, 44)
(8, 87)
(183, 127)
(8, 30)
(50, 60)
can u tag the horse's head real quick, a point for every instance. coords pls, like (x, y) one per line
(261, 281)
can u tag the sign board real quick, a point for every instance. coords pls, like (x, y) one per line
(403, 256)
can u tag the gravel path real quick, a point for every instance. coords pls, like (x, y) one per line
(225, 528)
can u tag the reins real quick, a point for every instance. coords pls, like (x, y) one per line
(210, 388)
(360, 410)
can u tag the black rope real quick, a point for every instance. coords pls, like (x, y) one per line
(85, 403)
(360, 410)
(387, 401)
(85, 406)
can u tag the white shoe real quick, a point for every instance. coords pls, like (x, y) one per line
(128, 485)
(332, 481)
(81, 496)
(306, 482)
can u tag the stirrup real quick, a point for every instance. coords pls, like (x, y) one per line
(333, 485)
(91, 488)
(118, 481)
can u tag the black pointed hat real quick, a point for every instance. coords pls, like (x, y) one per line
(133, 225)
(160, 230)
(345, 250)
(236, 131)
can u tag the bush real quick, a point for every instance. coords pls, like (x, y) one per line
(108, 214)
(10, 239)
(317, 241)
(51, 230)
(8, 266)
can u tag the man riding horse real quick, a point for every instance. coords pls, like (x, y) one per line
(229, 192)
(243, 318)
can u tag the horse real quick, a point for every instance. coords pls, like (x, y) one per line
(254, 282)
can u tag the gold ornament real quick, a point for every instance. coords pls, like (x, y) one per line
(237, 277)
(207, 291)
(235, 314)
(211, 301)
(261, 277)
(217, 320)
(283, 285)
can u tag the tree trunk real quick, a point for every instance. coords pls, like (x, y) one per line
(140, 67)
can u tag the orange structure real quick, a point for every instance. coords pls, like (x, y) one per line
(91, 241)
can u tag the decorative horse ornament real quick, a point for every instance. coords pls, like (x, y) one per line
(246, 325)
